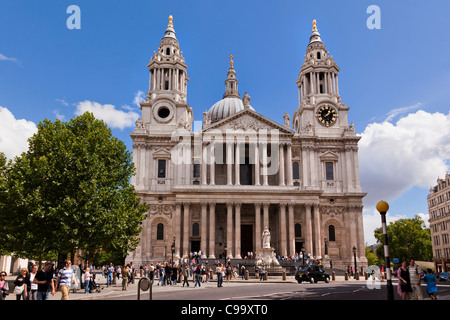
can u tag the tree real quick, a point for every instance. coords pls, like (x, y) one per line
(407, 238)
(71, 190)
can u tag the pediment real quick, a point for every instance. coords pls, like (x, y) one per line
(247, 120)
(329, 156)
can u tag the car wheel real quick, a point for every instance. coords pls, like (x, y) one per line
(311, 280)
(299, 281)
(327, 280)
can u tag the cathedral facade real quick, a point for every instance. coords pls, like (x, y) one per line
(215, 190)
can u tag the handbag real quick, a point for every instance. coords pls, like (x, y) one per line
(18, 289)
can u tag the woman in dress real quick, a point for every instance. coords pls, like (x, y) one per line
(404, 281)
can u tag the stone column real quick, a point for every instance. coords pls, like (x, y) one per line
(317, 236)
(237, 231)
(291, 229)
(212, 230)
(264, 165)
(266, 206)
(308, 232)
(229, 163)
(212, 168)
(283, 229)
(257, 228)
(237, 170)
(203, 172)
(186, 229)
(177, 229)
(257, 183)
(203, 240)
(230, 230)
(289, 164)
(281, 166)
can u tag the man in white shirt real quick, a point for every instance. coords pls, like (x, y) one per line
(415, 275)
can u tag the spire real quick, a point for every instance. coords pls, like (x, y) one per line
(170, 32)
(231, 84)
(231, 61)
(315, 35)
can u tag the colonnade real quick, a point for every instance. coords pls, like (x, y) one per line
(310, 221)
(259, 158)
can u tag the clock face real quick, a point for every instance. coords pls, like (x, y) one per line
(326, 115)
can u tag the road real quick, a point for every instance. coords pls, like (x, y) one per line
(276, 291)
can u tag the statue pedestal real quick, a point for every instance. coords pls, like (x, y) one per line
(267, 257)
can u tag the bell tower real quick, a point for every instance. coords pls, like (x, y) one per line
(320, 110)
(166, 108)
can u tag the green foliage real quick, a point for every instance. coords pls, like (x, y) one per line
(406, 238)
(372, 258)
(72, 190)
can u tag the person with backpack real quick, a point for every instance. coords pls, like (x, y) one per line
(415, 275)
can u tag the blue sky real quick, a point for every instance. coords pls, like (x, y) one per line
(394, 79)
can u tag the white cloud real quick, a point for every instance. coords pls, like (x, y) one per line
(395, 112)
(139, 97)
(107, 112)
(11, 59)
(396, 157)
(14, 133)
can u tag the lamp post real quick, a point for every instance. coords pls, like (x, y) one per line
(173, 249)
(225, 250)
(354, 256)
(382, 208)
(326, 246)
(303, 254)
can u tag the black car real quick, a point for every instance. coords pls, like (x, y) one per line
(311, 273)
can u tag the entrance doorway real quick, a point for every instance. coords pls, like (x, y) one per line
(298, 247)
(195, 246)
(246, 239)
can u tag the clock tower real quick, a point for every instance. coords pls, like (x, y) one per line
(320, 108)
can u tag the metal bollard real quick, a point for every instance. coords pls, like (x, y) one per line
(144, 284)
(284, 276)
(346, 276)
(333, 276)
(246, 275)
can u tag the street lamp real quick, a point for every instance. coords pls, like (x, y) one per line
(382, 208)
(225, 250)
(303, 254)
(173, 249)
(354, 256)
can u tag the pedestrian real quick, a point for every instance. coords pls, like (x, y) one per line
(197, 274)
(125, 275)
(21, 284)
(4, 287)
(118, 271)
(109, 274)
(256, 271)
(87, 279)
(185, 272)
(161, 275)
(431, 280)
(404, 282)
(243, 272)
(263, 273)
(32, 292)
(65, 279)
(415, 275)
(44, 280)
(219, 275)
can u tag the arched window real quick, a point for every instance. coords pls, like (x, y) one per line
(195, 230)
(298, 230)
(160, 232)
(331, 233)
(168, 51)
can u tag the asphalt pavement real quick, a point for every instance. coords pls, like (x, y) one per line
(115, 290)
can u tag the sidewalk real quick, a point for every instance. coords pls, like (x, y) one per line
(116, 289)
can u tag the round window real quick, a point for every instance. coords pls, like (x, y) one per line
(163, 112)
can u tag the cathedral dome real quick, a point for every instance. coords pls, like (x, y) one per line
(226, 107)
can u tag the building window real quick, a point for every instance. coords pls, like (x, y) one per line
(161, 168)
(298, 230)
(196, 172)
(195, 230)
(331, 233)
(329, 171)
(295, 170)
(160, 232)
